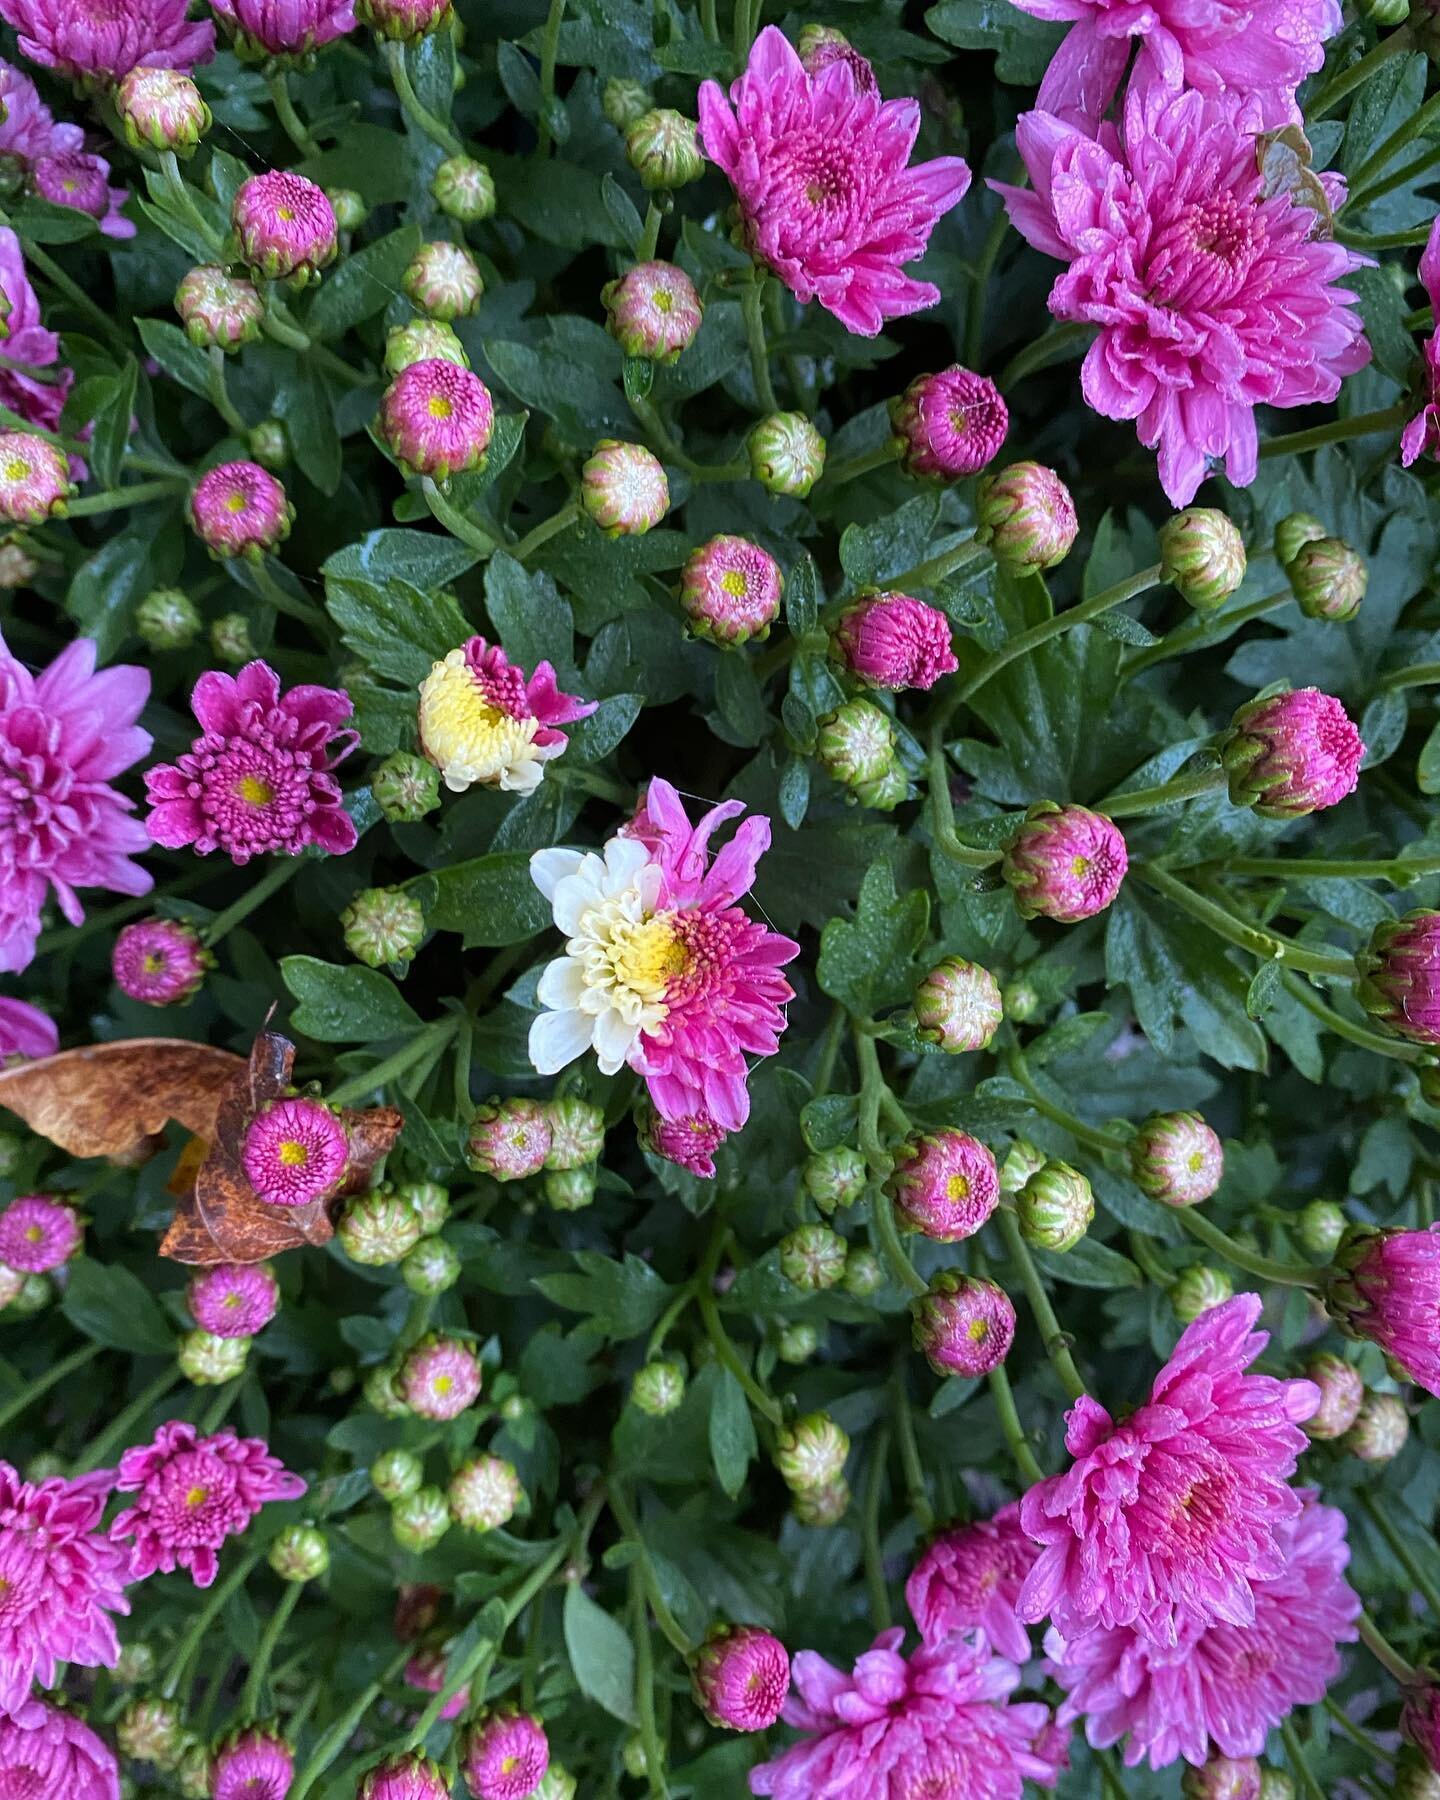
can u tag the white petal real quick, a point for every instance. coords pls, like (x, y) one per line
(624, 859)
(613, 1038)
(522, 777)
(561, 984)
(577, 895)
(557, 1038)
(548, 868)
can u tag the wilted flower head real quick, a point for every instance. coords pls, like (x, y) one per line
(1064, 863)
(819, 170)
(258, 780)
(944, 1185)
(1168, 1520)
(949, 425)
(1210, 298)
(891, 641)
(1292, 754)
(437, 418)
(233, 1300)
(969, 1579)
(485, 722)
(652, 311)
(287, 29)
(97, 41)
(160, 962)
(1400, 975)
(191, 1493)
(730, 590)
(1386, 1287)
(46, 1751)
(506, 1755)
(285, 225)
(740, 1676)
(38, 1233)
(937, 1722)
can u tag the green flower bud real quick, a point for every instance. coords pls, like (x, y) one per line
(209, 1361)
(658, 1387)
(1293, 532)
(664, 149)
(1177, 1159)
(812, 1257)
(557, 1784)
(396, 1473)
(406, 787)
(623, 102)
(1275, 1784)
(787, 454)
(378, 1228)
(430, 1201)
(514, 1407)
(151, 1731)
(1197, 1289)
(418, 1521)
(167, 619)
(1380, 1430)
(268, 444)
(230, 639)
(1055, 1207)
(569, 1190)
(443, 281)
(431, 1267)
(822, 1506)
(1021, 1000)
(383, 925)
(1320, 1227)
(485, 1493)
(381, 1392)
(1025, 514)
(422, 340)
(136, 1664)
(811, 1453)
(1328, 579)
(635, 1757)
(834, 1177)
(349, 208)
(464, 188)
(577, 1132)
(1202, 556)
(193, 1771)
(957, 1006)
(1022, 1161)
(857, 743)
(300, 1553)
(864, 1274)
(886, 791)
(798, 1343)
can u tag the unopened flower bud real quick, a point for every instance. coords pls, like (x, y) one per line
(268, 444)
(150, 1730)
(1292, 754)
(209, 1361)
(34, 479)
(1202, 556)
(624, 101)
(508, 1139)
(383, 1394)
(464, 188)
(300, 1553)
(22, 1296)
(949, 425)
(167, 619)
(431, 1267)
(1275, 1784)
(161, 109)
(834, 1177)
(892, 641)
(652, 311)
(136, 1664)
(403, 21)
(377, 1228)
(1223, 1778)
(1021, 1000)
(1320, 1227)
(864, 1273)
(663, 147)
(957, 1006)
(485, 1493)
(1177, 1159)
(240, 509)
(577, 1132)
(570, 1190)
(285, 226)
(798, 1343)
(444, 281)
(419, 1520)
(230, 639)
(1381, 1428)
(18, 568)
(159, 962)
(1064, 863)
(885, 791)
(1197, 1289)
(812, 1257)
(1055, 1207)
(440, 1377)
(856, 745)
(658, 1387)
(1022, 1160)
(821, 46)
(730, 591)
(1293, 532)
(383, 926)
(1328, 579)
(422, 340)
(406, 786)
(944, 1185)
(429, 1201)
(623, 488)
(505, 1754)
(349, 208)
(396, 1473)
(1342, 1393)
(217, 308)
(811, 1453)
(1414, 1778)
(1026, 517)
(437, 418)
(1420, 1716)
(740, 1677)
(823, 1506)
(787, 454)
(409, 1777)
(964, 1324)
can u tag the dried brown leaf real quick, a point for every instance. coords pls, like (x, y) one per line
(109, 1099)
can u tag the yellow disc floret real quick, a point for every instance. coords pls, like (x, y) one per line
(472, 741)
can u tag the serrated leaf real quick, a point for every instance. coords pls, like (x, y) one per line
(622, 1298)
(110, 1306)
(490, 899)
(345, 1005)
(866, 961)
(533, 622)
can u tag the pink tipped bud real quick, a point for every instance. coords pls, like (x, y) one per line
(1386, 1287)
(1202, 556)
(1400, 976)
(485, 1493)
(730, 590)
(1420, 1719)
(404, 1778)
(440, 1378)
(577, 1132)
(957, 1006)
(820, 47)
(218, 308)
(240, 509)
(652, 311)
(964, 1325)
(891, 641)
(1328, 579)
(294, 1151)
(944, 1185)
(403, 21)
(233, 1300)
(161, 109)
(1292, 754)
(1341, 1395)
(1064, 863)
(464, 189)
(1381, 1429)
(509, 1139)
(1026, 517)
(160, 962)
(420, 1520)
(436, 418)
(38, 1233)
(623, 489)
(740, 1677)
(299, 1553)
(253, 1761)
(857, 745)
(506, 1755)
(285, 226)
(1223, 1778)
(1176, 1158)
(949, 425)
(443, 280)
(1198, 1290)
(34, 479)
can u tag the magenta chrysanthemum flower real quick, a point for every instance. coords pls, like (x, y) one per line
(160, 962)
(944, 1185)
(936, 1722)
(259, 778)
(28, 345)
(1210, 299)
(663, 970)
(440, 1378)
(60, 1580)
(1262, 51)
(740, 1677)
(233, 1300)
(64, 735)
(295, 1151)
(101, 40)
(730, 590)
(1292, 754)
(970, 1578)
(1400, 975)
(826, 199)
(285, 224)
(484, 721)
(76, 178)
(25, 1031)
(405, 1778)
(1423, 431)
(28, 130)
(690, 1143)
(437, 418)
(1167, 1520)
(506, 1755)
(240, 509)
(1387, 1288)
(286, 28)
(426, 1671)
(1064, 863)
(254, 1764)
(191, 1494)
(1221, 1687)
(37, 1234)
(949, 425)
(891, 641)
(47, 1753)
(963, 1324)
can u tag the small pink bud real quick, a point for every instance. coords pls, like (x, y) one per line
(1385, 1286)
(958, 1006)
(440, 1378)
(1026, 517)
(484, 1493)
(505, 1756)
(404, 1778)
(436, 418)
(690, 1143)
(1400, 976)
(623, 488)
(1341, 1394)
(34, 479)
(160, 962)
(1223, 1778)
(285, 225)
(233, 1300)
(949, 425)
(403, 21)
(1176, 1158)
(1420, 1719)
(740, 1677)
(820, 47)
(730, 590)
(254, 1761)
(294, 1151)
(161, 109)
(944, 1185)
(891, 641)
(1292, 754)
(444, 280)
(1064, 863)
(38, 1233)
(964, 1325)
(652, 311)
(240, 509)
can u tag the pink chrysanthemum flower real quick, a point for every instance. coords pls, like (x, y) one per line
(1263, 51)
(254, 1764)
(891, 641)
(28, 346)
(233, 1300)
(259, 778)
(38, 1234)
(48, 1753)
(191, 1493)
(405, 1778)
(64, 735)
(1292, 754)
(25, 1032)
(949, 425)
(1167, 1520)
(819, 169)
(100, 40)
(1210, 298)
(1423, 431)
(663, 970)
(1221, 1687)
(159, 962)
(440, 1378)
(740, 1677)
(485, 722)
(426, 1671)
(284, 28)
(295, 1151)
(60, 1580)
(944, 1185)
(970, 1578)
(1400, 975)
(285, 224)
(506, 1755)
(1064, 863)
(437, 418)
(937, 1722)
(690, 1143)
(28, 130)
(76, 178)
(1386, 1288)
(730, 590)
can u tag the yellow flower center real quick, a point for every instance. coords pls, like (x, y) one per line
(33, 1234)
(284, 212)
(439, 407)
(197, 1496)
(235, 503)
(444, 1383)
(293, 1154)
(977, 1331)
(957, 1188)
(733, 583)
(664, 300)
(16, 469)
(153, 963)
(254, 791)
(1080, 865)
(644, 957)
(1196, 1161)
(467, 738)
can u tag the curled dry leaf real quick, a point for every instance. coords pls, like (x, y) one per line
(112, 1099)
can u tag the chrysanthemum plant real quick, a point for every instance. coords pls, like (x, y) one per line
(719, 902)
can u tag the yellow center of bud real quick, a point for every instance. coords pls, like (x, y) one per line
(152, 962)
(33, 1234)
(1079, 865)
(293, 1154)
(663, 300)
(286, 213)
(235, 503)
(16, 469)
(197, 1496)
(957, 1188)
(253, 791)
(977, 1331)
(438, 407)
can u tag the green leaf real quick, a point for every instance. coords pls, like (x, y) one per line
(531, 619)
(596, 736)
(873, 554)
(1427, 768)
(46, 222)
(1024, 45)
(638, 379)
(601, 1654)
(733, 1444)
(424, 559)
(866, 961)
(397, 629)
(110, 1306)
(361, 285)
(1264, 986)
(176, 355)
(623, 1299)
(1090, 1265)
(803, 595)
(112, 425)
(345, 1005)
(621, 208)
(491, 900)
(794, 795)
(1178, 973)
(304, 403)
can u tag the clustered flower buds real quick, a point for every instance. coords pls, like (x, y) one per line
(812, 1257)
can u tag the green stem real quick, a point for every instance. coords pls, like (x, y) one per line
(1337, 431)
(1359, 1035)
(1057, 1344)
(1383, 240)
(277, 323)
(1095, 1137)
(67, 937)
(830, 1049)
(250, 1708)
(224, 1398)
(456, 522)
(766, 1404)
(1168, 793)
(291, 605)
(1264, 1268)
(650, 240)
(870, 1530)
(219, 393)
(837, 474)
(656, 1341)
(437, 130)
(1026, 641)
(141, 494)
(980, 281)
(1347, 80)
(1201, 632)
(1417, 675)
(1058, 344)
(291, 123)
(1383, 1651)
(752, 305)
(934, 570)
(1366, 192)
(215, 1601)
(1296, 1758)
(1402, 1554)
(334, 1740)
(1026, 1466)
(655, 1758)
(1264, 944)
(873, 1090)
(41, 259)
(424, 1043)
(1371, 1746)
(282, 870)
(42, 1384)
(629, 1523)
(549, 52)
(99, 1450)
(546, 529)
(942, 811)
(916, 1491)
(709, 24)
(1402, 871)
(1142, 1251)
(670, 449)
